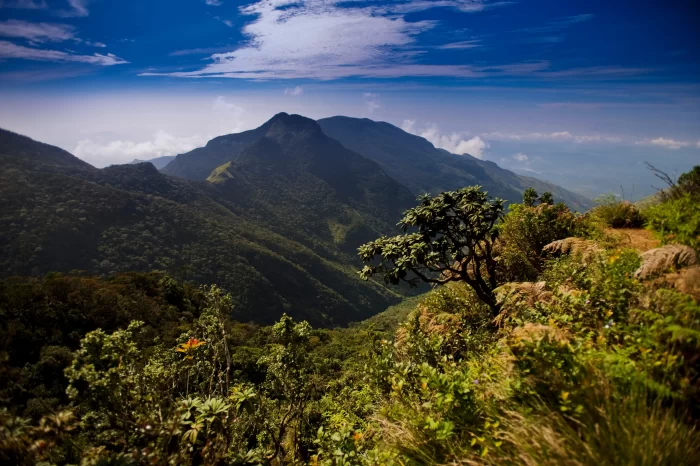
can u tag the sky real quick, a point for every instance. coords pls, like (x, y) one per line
(581, 93)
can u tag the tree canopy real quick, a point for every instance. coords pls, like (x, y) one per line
(452, 239)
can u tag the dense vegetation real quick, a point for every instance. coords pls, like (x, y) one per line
(60, 214)
(591, 358)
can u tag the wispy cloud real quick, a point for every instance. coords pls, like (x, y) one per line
(520, 157)
(298, 90)
(467, 6)
(24, 4)
(456, 143)
(199, 51)
(226, 22)
(213, 2)
(465, 44)
(371, 101)
(559, 24)
(223, 106)
(37, 32)
(560, 136)
(77, 9)
(10, 50)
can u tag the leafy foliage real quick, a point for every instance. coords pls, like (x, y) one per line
(676, 221)
(454, 241)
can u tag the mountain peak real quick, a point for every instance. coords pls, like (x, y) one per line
(284, 128)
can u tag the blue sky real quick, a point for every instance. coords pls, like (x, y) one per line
(545, 87)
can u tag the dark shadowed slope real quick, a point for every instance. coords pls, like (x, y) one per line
(416, 163)
(60, 214)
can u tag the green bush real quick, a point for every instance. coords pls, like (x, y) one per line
(676, 221)
(524, 231)
(617, 214)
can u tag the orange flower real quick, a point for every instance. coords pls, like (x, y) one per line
(189, 347)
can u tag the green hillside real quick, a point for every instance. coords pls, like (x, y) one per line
(417, 164)
(60, 214)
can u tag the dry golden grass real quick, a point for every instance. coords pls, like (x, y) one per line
(664, 259)
(635, 238)
(512, 295)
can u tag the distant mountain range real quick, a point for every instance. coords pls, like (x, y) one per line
(274, 215)
(411, 160)
(158, 162)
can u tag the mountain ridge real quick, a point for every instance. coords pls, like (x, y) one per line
(61, 214)
(409, 159)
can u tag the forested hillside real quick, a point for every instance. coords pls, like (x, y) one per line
(61, 214)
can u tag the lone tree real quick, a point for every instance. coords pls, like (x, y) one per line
(546, 198)
(454, 242)
(530, 196)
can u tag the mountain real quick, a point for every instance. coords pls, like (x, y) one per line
(310, 186)
(199, 163)
(158, 162)
(61, 214)
(423, 168)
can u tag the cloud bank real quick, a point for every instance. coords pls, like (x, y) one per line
(120, 151)
(455, 143)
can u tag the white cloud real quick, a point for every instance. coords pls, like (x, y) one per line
(78, 9)
(10, 50)
(213, 2)
(465, 44)
(334, 39)
(37, 32)
(560, 136)
(229, 108)
(120, 151)
(371, 101)
(225, 21)
(667, 143)
(294, 91)
(457, 143)
(24, 4)
(320, 39)
(520, 157)
(95, 44)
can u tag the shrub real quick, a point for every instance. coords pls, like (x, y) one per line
(617, 214)
(676, 221)
(524, 231)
